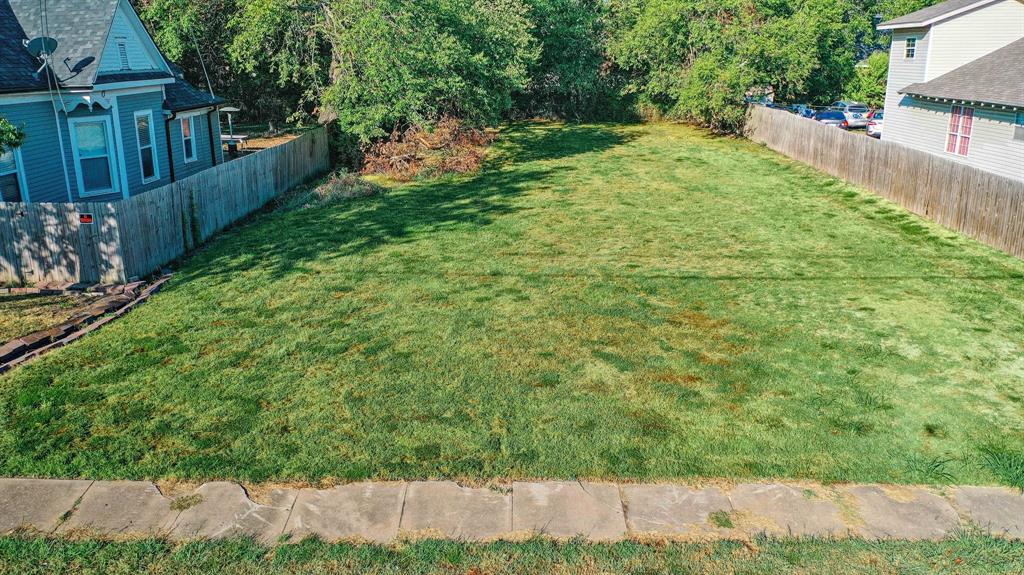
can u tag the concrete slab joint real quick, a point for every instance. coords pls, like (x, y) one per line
(385, 512)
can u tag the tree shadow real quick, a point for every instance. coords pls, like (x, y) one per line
(282, 243)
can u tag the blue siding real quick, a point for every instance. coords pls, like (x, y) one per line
(202, 145)
(40, 154)
(127, 106)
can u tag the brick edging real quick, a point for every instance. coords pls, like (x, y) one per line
(101, 312)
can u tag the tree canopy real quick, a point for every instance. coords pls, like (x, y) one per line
(10, 135)
(379, 66)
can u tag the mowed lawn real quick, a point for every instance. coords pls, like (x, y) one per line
(602, 301)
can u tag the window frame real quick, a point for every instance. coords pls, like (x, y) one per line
(152, 147)
(961, 118)
(910, 48)
(115, 180)
(192, 137)
(1018, 128)
(19, 172)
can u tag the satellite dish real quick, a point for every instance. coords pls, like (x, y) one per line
(41, 45)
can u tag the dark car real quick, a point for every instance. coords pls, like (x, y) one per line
(833, 118)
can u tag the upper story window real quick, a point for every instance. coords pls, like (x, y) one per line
(188, 140)
(146, 135)
(961, 122)
(1018, 128)
(910, 51)
(122, 53)
(11, 177)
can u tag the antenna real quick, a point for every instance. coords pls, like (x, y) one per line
(40, 46)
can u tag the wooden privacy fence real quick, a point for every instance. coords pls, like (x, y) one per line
(985, 206)
(55, 242)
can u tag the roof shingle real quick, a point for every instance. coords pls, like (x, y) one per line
(925, 15)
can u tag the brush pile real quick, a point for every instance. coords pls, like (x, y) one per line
(448, 148)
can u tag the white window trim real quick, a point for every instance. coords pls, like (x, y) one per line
(19, 169)
(152, 145)
(114, 176)
(960, 130)
(906, 47)
(191, 130)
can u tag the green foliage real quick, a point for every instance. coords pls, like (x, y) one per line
(698, 59)
(411, 62)
(377, 66)
(868, 85)
(10, 135)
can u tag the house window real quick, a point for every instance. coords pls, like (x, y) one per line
(911, 49)
(961, 122)
(122, 53)
(12, 179)
(188, 141)
(90, 142)
(147, 154)
(1018, 128)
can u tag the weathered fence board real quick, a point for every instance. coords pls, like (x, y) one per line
(982, 205)
(132, 238)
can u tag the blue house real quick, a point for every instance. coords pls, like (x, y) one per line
(105, 115)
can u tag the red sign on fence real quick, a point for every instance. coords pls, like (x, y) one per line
(85, 218)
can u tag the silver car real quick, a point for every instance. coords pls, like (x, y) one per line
(855, 112)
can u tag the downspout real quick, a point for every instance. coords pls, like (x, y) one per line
(170, 149)
(209, 131)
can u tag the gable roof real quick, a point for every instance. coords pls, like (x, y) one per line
(80, 27)
(933, 14)
(993, 79)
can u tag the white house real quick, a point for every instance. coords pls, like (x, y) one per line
(956, 83)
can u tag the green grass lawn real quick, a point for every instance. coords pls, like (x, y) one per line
(23, 314)
(603, 301)
(961, 556)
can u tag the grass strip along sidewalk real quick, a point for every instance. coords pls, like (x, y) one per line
(966, 555)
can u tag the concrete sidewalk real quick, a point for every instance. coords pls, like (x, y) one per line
(386, 512)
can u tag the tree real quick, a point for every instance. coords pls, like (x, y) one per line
(10, 135)
(697, 59)
(869, 84)
(399, 63)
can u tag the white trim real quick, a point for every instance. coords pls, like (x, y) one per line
(19, 170)
(907, 48)
(192, 136)
(152, 147)
(939, 18)
(193, 112)
(111, 148)
(133, 83)
(120, 148)
(106, 91)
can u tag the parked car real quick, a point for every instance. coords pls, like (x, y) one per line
(855, 112)
(833, 118)
(802, 110)
(876, 120)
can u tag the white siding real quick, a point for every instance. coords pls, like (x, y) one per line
(902, 73)
(970, 36)
(139, 57)
(992, 145)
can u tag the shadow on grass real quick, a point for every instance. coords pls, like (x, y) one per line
(284, 242)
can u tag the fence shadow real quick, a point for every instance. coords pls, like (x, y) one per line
(281, 243)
